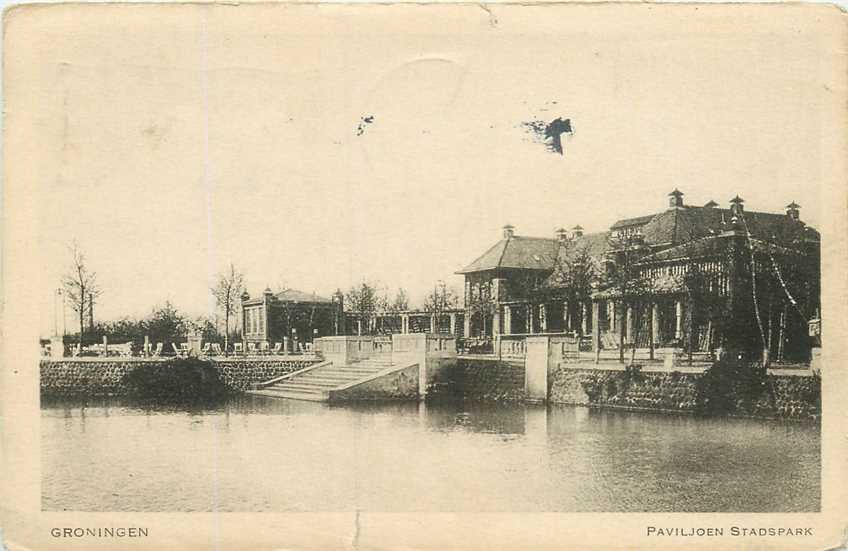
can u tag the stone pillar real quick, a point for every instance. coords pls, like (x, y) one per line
(404, 323)
(596, 330)
(543, 318)
(105, 351)
(584, 318)
(359, 327)
(628, 337)
(285, 345)
(146, 349)
(194, 344)
(466, 324)
(655, 327)
(507, 320)
(57, 347)
(453, 323)
(678, 319)
(539, 360)
(566, 317)
(434, 323)
(496, 321)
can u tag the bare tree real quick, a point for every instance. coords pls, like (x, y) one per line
(625, 278)
(365, 299)
(227, 293)
(81, 288)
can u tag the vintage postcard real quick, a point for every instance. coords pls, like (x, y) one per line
(396, 276)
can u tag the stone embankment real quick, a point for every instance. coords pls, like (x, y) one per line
(105, 377)
(795, 395)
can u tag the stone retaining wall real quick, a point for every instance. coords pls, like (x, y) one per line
(104, 377)
(240, 373)
(399, 385)
(787, 396)
(481, 380)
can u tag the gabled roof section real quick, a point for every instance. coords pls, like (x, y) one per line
(293, 295)
(676, 226)
(595, 244)
(528, 253)
(710, 246)
(630, 222)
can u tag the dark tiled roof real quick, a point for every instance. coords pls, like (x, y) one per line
(530, 253)
(685, 224)
(709, 246)
(293, 295)
(629, 222)
(596, 244)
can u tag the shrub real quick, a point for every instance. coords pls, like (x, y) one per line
(177, 380)
(731, 386)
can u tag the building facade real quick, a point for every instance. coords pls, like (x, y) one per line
(289, 316)
(692, 277)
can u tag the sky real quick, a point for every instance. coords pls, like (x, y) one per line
(218, 137)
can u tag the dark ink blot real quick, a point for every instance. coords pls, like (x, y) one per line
(550, 133)
(360, 129)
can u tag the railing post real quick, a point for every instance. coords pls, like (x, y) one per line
(596, 330)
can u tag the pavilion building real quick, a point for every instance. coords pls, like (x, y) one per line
(674, 278)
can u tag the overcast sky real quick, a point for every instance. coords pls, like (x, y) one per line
(219, 138)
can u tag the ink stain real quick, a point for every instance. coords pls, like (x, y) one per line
(549, 133)
(360, 129)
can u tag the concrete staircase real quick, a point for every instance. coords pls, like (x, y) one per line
(315, 383)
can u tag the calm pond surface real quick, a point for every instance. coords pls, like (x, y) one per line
(264, 454)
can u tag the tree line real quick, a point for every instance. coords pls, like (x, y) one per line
(165, 323)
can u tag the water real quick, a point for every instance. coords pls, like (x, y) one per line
(263, 454)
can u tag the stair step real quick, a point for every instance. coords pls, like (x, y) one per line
(313, 384)
(348, 372)
(307, 396)
(278, 390)
(304, 386)
(327, 379)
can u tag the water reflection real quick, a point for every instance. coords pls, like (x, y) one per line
(456, 456)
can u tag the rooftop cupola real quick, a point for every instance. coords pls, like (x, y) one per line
(245, 296)
(711, 204)
(508, 231)
(675, 199)
(268, 291)
(792, 211)
(577, 231)
(737, 206)
(562, 234)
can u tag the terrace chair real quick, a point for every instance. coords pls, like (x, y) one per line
(309, 347)
(184, 349)
(278, 347)
(158, 350)
(264, 347)
(177, 351)
(238, 348)
(251, 348)
(207, 347)
(216, 348)
(75, 350)
(300, 348)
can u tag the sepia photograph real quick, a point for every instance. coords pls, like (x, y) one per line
(464, 260)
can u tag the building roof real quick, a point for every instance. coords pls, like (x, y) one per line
(711, 245)
(666, 229)
(595, 244)
(529, 253)
(293, 295)
(680, 225)
(630, 222)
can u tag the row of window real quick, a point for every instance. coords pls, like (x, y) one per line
(254, 320)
